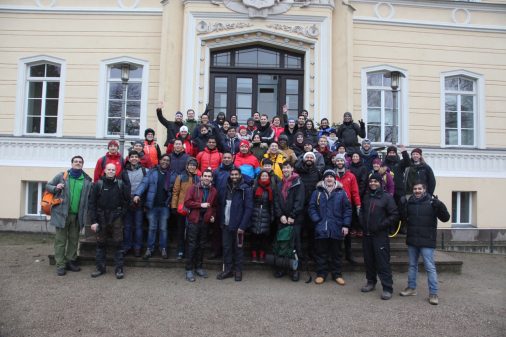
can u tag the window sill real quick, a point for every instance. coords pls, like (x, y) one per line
(34, 217)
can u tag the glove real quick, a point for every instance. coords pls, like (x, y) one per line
(361, 122)
(435, 202)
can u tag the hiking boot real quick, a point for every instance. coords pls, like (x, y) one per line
(254, 256)
(279, 273)
(368, 287)
(180, 255)
(408, 292)
(201, 272)
(433, 299)
(119, 273)
(319, 280)
(340, 281)
(72, 266)
(98, 272)
(137, 252)
(224, 274)
(386, 295)
(147, 254)
(60, 271)
(189, 276)
(238, 276)
(295, 276)
(164, 254)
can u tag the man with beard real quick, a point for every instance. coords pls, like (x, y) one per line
(301, 122)
(190, 122)
(319, 161)
(230, 143)
(210, 158)
(348, 132)
(368, 154)
(246, 161)
(171, 126)
(236, 205)
(264, 129)
(419, 170)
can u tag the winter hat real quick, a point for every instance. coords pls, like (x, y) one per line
(244, 142)
(291, 120)
(307, 154)
(267, 161)
(179, 113)
(375, 176)
(250, 120)
(112, 143)
(340, 145)
(340, 156)
(193, 161)
(243, 127)
(391, 148)
(329, 173)
(148, 130)
(283, 137)
(376, 161)
(183, 128)
(140, 142)
(307, 141)
(417, 150)
(366, 141)
(347, 114)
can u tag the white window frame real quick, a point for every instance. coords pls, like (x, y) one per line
(479, 107)
(24, 65)
(101, 130)
(459, 200)
(402, 97)
(40, 186)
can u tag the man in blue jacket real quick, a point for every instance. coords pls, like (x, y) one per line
(330, 211)
(236, 205)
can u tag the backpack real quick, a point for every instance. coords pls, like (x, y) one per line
(50, 199)
(104, 160)
(284, 243)
(100, 185)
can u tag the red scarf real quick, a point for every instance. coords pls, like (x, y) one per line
(262, 187)
(287, 183)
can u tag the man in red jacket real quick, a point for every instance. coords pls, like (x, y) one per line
(210, 158)
(246, 161)
(111, 157)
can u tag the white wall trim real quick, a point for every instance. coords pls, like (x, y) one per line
(81, 10)
(102, 94)
(403, 103)
(21, 92)
(480, 130)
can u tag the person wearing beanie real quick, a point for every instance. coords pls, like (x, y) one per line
(387, 181)
(111, 157)
(330, 211)
(243, 133)
(185, 138)
(151, 148)
(71, 215)
(277, 157)
(171, 126)
(319, 161)
(368, 154)
(377, 214)
(182, 184)
(348, 132)
(251, 126)
(262, 215)
(298, 144)
(419, 170)
(138, 147)
(256, 147)
(246, 161)
(283, 147)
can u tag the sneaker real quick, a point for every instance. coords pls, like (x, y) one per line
(319, 280)
(147, 254)
(98, 272)
(408, 292)
(164, 254)
(119, 273)
(201, 272)
(340, 281)
(238, 276)
(180, 255)
(386, 295)
(295, 276)
(72, 266)
(189, 276)
(433, 299)
(368, 287)
(224, 274)
(60, 271)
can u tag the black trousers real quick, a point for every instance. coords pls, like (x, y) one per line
(107, 233)
(328, 257)
(196, 236)
(181, 228)
(232, 254)
(259, 242)
(377, 260)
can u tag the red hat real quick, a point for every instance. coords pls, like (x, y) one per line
(112, 142)
(244, 142)
(243, 127)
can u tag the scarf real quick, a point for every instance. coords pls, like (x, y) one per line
(75, 173)
(287, 183)
(262, 187)
(364, 152)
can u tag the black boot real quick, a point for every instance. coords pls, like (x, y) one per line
(119, 273)
(100, 260)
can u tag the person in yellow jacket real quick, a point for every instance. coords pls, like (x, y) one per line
(277, 157)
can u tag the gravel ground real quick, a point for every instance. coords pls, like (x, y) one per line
(159, 302)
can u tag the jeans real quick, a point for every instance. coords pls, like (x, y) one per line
(157, 218)
(430, 267)
(133, 221)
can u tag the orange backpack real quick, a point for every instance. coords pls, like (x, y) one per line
(50, 199)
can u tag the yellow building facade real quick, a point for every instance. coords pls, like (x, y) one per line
(74, 71)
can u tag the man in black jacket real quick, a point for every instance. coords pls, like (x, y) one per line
(348, 132)
(172, 126)
(378, 213)
(421, 212)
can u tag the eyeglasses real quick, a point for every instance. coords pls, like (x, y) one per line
(78, 162)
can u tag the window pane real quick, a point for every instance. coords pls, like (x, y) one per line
(374, 116)
(389, 117)
(33, 125)
(243, 115)
(451, 102)
(246, 58)
(451, 119)
(50, 124)
(452, 83)
(465, 201)
(451, 137)
(37, 71)
(220, 100)
(115, 109)
(113, 126)
(115, 90)
(244, 100)
(221, 59)
(466, 84)
(374, 132)
(389, 133)
(389, 99)
(467, 137)
(132, 127)
(53, 70)
(292, 87)
(35, 89)
(115, 71)
(220, 84)
(387, 81)
(293, 102)
(34, 107)
(245, 85)
(374, 79)
(51, 107)
(134, 91)
(467, 120)
(454, 207)
(52, 89)
(374, 98)
(466, 103)
(268, 58)
(294, 62)
(133, 109)
(32, 198)
(135, 72)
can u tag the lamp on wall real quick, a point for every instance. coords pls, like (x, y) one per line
(395, 79)
(125, 75)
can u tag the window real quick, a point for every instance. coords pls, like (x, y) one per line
(460, 110)
(34, 190)
(462, 205)
(257, 57)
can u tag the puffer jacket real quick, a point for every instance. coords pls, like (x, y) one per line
(329, 212)
(378, 213)
(398, 167)
(263, 212)
(240, 209)
(277, 160)
(247, 163)
(150, 184)
(209, 159)
(293, 205)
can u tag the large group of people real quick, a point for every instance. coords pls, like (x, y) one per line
(233, 183)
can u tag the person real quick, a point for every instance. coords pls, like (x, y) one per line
(178, 157)
(298, 144)
(236, 205)
(377, 214)
(301, 122)
(368, 154)
(257, 149)
(276, 126)
(111, 157)
(246, 161)
(233, 121)
(330, 211)
(262, 216)
(151, 148)
(333, 140)
(283, 147)
(204, 121)
(324, 150)
(182, 184)
(290, 130)
(230, 143)
(387, 181)
(243, 133)
(348, 132)
(71, 215)
(319, 161)
(210, 158)
(158, 184)
(419, 170)
(220, 119)
(144, 160)
(109, 202)
(397, 166)
(201, 200)
(277, 158)
(421, 212)
(190, 122)
(265, 130)
(251, 126)
(187, 143)
(362, 176)
(325, 128)
(256, 119)
(310, 132)
(132, 176)
(289, 209)
(200, 139)
(171, 126)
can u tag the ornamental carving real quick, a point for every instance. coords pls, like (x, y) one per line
(258, 8)
(311, 31)
(205, 28)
